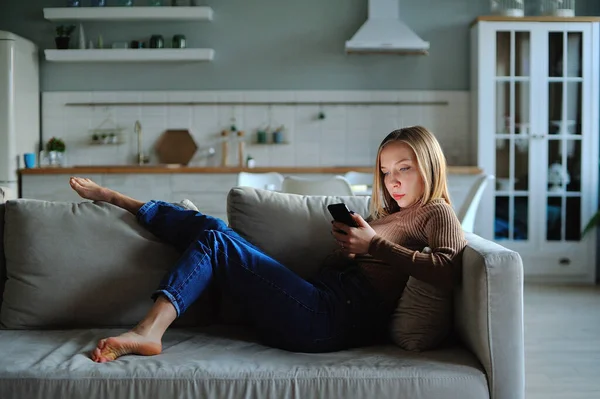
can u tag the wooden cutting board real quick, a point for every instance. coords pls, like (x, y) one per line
(176, 147)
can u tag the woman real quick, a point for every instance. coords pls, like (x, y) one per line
(349, 302)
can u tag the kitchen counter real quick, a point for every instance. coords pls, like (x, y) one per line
(208, 186)
(169, 169)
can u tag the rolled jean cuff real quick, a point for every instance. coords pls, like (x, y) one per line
(170, 297)
(142, 212)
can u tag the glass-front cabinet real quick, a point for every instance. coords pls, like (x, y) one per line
(536, 109)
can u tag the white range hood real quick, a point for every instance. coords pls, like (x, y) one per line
(385, 32)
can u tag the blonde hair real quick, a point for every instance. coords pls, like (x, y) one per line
(431, 164)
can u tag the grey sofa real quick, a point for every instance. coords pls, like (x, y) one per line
(72, 273)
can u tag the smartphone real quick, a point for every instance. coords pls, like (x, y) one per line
(341, 213)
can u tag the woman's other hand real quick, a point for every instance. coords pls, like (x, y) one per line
(353, 240)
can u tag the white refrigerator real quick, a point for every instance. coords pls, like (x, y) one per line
(19, 105)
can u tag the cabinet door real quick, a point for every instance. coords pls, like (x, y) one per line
(565, 145)
(507, 118)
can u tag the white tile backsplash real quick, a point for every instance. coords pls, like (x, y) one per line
(349, 134)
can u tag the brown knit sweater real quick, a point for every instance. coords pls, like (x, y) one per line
(396, 251)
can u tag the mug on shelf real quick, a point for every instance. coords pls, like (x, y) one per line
(29, 159)
(157, 41)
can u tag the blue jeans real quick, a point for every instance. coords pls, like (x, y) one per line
(338, 309)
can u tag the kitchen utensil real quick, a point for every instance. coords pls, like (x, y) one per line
(176, 147)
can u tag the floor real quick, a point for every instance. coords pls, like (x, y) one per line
(562, 342)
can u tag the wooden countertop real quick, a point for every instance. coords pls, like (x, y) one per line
(156, 169)
(537, 18)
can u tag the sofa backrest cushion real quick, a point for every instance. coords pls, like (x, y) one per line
(2, 259)
(80, 265)
(293, 229)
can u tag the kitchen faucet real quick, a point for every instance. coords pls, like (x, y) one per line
(141, 158)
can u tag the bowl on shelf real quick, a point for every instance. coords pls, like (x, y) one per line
(503, 184)
(563, 127)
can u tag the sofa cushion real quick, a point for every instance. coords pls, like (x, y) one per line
(423, 317)
(218, 362)
(80, 265)
(294, 229)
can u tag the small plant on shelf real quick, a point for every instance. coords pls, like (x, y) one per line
(63, 36)
(55, 150)
(55, 144)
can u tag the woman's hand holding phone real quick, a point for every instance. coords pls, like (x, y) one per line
(353, 240)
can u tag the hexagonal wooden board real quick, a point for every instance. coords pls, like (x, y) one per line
(176, 147)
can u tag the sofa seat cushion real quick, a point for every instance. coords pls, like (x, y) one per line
(223, 362)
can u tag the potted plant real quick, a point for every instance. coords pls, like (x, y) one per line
(591, 224)
(56, 149)
(63, 36)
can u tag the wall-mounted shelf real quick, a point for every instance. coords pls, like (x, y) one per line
(99, 143)
(259, 103)
(268, 143)
(130, 55)
(129, 14)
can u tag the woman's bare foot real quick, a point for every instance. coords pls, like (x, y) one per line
(87, 189)
(128, 343)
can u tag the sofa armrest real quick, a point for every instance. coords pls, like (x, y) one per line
(489, 314)
(6, 194)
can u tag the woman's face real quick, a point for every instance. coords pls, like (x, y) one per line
(401, 174)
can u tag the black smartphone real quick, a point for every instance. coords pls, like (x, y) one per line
(341, 213)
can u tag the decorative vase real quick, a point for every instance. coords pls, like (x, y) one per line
(558, 8)
(81, 37)
(508, 8)
(62, 43)
(56, 158)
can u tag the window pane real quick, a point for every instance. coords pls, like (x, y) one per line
(503, 54)
(555, 60)
(554, 222)
(522, 51)
(501, 222)
(573, 222)
(520, 226)
(504, 119)
(574, 45)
